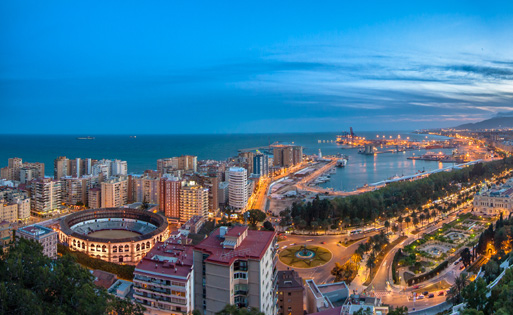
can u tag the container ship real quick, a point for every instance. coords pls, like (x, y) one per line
(86, 138)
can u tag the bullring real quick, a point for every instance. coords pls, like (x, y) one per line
(118, 235)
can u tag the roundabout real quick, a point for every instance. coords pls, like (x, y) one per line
(305, 256)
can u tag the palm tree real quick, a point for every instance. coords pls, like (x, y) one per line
(407, 220)
(460, 282)
(387, 225)
(415, 221)
(371, 262)
(422, 217)
(400, 221)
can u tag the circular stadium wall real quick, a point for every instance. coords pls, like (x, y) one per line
(118, 235)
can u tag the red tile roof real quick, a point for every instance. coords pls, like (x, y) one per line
(172, 258)
(104, 279)
(253, 246)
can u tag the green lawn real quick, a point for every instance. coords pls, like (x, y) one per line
(288, 256)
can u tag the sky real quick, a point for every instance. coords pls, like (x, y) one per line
(167, 67)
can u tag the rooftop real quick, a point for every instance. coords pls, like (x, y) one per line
(289, 279)
(172, 258)
(36, 230)
(253, 246)
(104, 279)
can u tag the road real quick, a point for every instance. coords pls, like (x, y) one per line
(341, 254)
(259, 198)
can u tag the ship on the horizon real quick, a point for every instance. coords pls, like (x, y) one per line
(85, 138)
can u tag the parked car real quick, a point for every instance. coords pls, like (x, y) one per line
(416, 287)
(462, 267)
(440, 293)
(420, 297)
(323, 242)
(431, 295)
(425, 293)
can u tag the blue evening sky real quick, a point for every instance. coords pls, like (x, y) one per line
(133, 67)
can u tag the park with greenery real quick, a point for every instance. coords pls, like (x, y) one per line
(32, 283)
(404, 200)
(289, 256)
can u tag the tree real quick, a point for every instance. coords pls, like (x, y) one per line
(363, 311)
(475, 294)
(254, 216)
(32, 283)
(407, 220)
(268, 226)
(387, 225)
(460, 282)
(400, 310)
(345, 272)
(466, 256)
(471, 311)
(234, 310)
(371, 262)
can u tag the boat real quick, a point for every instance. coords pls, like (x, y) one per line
(86, 138)
(341, 162)
(133, 137)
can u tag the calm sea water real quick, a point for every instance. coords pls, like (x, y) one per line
(142, 153)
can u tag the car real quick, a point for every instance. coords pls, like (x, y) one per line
(441, 293)
(338, 244)
(323, 242)
(425, 293)
(420, 297)
(432, 295)
(456, 262)
(292, 244)
(308, 240)
(462, 267)
(416, 287)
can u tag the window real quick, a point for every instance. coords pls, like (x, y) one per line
(240, 265)
(240, 275)
(289, 293)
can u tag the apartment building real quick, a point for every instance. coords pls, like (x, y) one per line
(261, 165)
(164, 278)
(287, 155)
(110, 168)
(290, 293)
(15, 205)
(236, 266)
(183, 163)
(6, 235)
(210, 182)
(45, 236)
(193, 201)
(16, 167)
(8, 212)
(237, 188)
(114, 192)
(76, 190)
(146, 189)
(46, 196)
(169, 198)
(62, 167)
(94, 198)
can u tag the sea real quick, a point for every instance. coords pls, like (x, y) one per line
(142, 152)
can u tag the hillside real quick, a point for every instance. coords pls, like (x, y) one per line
(492, 123)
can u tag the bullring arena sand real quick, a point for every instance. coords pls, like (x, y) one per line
(113, 234)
